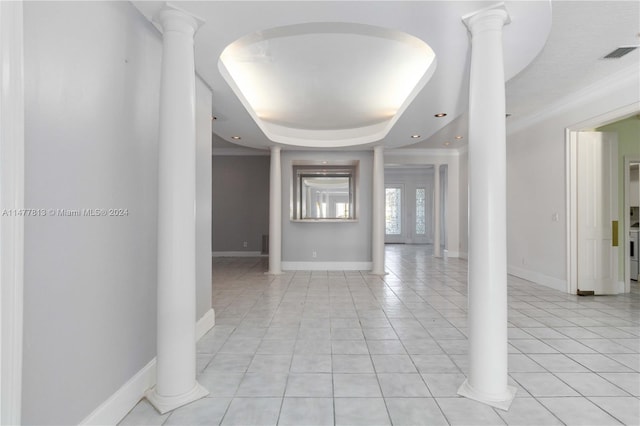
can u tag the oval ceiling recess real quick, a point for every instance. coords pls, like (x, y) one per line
(328, 84)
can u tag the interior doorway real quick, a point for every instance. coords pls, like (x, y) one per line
(632, 216)
(595, 206)
(597, 214)
(410, 204)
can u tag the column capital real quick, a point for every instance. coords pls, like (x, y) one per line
(173, 18)
(275, 148)
(491, 18)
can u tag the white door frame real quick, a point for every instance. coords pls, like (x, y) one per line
(11, 204)
(571, 189)
(627, 226)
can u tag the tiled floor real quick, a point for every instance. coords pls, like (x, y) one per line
(349, 348)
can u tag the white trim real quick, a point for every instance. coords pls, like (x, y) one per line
(503, 402)
(571, 188)
(237, 254)
(124, 399)
(164, 404)
(615, 214)
(240, 151)
(608, 117)
(118, 405)
(11, 198)
(571, 191)
(205, 323)
(326, 266)
(538, 278)
(424, 152)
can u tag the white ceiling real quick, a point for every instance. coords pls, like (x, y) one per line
(327, 84)
(579, 34)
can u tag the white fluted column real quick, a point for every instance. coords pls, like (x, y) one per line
(176, 342)
(275, 213)
(437, 252)
(12, 166)
(487, 316)
(378, 213)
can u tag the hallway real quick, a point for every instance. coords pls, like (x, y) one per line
(351, 348)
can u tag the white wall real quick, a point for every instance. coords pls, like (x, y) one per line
(92, 72)
(336, 243)
(536, 178)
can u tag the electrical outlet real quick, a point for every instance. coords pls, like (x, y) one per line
(245, 244)
(314, 254)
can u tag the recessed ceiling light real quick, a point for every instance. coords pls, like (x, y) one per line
(324, 162)
(415, 136)
(458, 137)
(447, 143)
(441, 114)
(236, 137)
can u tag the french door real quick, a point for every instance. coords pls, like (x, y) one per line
(394, 214)
(408, 214)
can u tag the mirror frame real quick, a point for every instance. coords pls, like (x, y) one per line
(305, 170)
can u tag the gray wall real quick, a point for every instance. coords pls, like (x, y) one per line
(240, 202)
(92, 73)
(333, 242)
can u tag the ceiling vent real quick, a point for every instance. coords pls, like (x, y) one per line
(620, 52)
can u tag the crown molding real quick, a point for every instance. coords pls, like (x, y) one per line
(430, 152)
(626, 76)
(220, 152)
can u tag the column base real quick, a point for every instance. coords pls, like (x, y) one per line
(502, 402)
(274, 273)
(380, 274)
(164, 404)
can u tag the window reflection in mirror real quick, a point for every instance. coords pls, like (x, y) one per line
(325, 197)
(324, 192)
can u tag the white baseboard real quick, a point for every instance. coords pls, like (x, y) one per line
(451, 253)
(113, 410)
(538, 278)
(236, 254)
(205, 323)
(120, 403)
(463, 255)
(326, 266)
